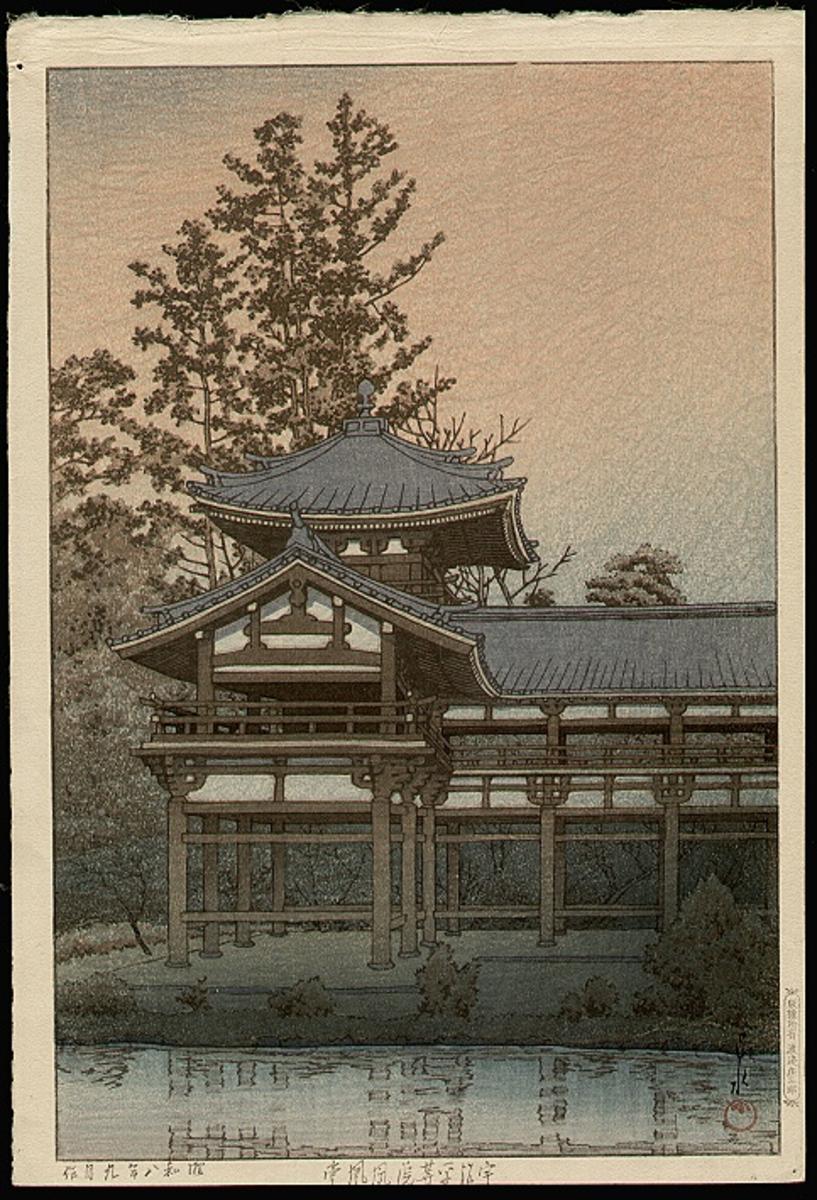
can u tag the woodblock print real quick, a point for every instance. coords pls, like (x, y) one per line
(446, 864)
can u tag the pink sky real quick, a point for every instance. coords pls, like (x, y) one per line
(607, 270)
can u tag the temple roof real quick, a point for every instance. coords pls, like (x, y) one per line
(365, 477)
(714, 647)
(363, 469)
(521, 652)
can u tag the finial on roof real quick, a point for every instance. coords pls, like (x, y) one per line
(365, 391)
(301, 535)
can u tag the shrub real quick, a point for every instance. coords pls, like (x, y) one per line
(306, 998)
(102, 939)
(716, 962)
(100, 994)
(571, 1006)
(196, 996)
(600, 997)
(652, 1001)
(447, 990)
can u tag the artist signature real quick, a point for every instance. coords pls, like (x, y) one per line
(740, 1114)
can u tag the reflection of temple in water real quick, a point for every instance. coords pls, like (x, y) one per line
(433, 1103)
(441, 1104)
(414, 1107)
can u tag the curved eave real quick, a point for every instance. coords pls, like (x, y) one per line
(518, 550)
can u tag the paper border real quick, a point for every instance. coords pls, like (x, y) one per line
(39, 43)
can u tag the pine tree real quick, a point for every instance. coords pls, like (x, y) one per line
(637, 580)
(89, 398)
(197, 381)
(320, 309)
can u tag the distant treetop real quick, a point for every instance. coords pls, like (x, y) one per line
(637, 580)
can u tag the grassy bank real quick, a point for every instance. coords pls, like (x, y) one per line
(710, 979)
(259, 1028)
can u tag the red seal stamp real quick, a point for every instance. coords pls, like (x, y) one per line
(740, 1115)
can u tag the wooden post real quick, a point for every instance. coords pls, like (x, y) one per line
(552, 861)
(381, 877)
(676, 710)
(209, 857)
(452, 881)
(388, 675)
(254, 626)
(671, 800)
(204, 679)
(243, 864)
(559, 878)
(429, 870)
(408, 877)
(178, 954)
(734, 791)
(669, 899)
(547, 879)
(338, 623)
(278, 857)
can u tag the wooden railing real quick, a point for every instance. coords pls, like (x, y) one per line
(728, 756)
(268, 719)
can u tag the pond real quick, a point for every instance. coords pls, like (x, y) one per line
(122, 1102)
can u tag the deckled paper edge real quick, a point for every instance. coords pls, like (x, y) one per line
(38, 43)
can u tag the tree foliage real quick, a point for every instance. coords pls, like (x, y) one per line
(637, 580)
(716, 963)
(197, 383)
(319, 287)
(90, 397)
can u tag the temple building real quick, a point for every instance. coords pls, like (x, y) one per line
(343, 696)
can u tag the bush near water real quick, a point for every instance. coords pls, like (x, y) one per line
(447, 990)
(716, 964)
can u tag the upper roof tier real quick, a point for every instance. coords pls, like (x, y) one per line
(365, 478)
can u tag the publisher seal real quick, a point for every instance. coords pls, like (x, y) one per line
(740, 1115)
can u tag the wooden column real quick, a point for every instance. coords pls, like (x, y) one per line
(209, 861)
(253, 627)
(669, 874)
(178, 954)
(734, 791)
(676, 710)
(205, 691)
(552, 862)
(338, 623)
(559, 877)
(243, 865)
(671, 798)
(381, 878)
(547, 874)
(429, 869)
(388, 674)
(408, 877)
(452, 881)
(278, 857)
(553, 710)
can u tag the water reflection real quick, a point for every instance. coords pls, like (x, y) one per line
(412, 1103)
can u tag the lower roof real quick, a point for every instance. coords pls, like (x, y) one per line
(694, 647)
(511, 652)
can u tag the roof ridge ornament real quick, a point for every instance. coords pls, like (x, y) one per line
(365, 404)
(364, 422)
